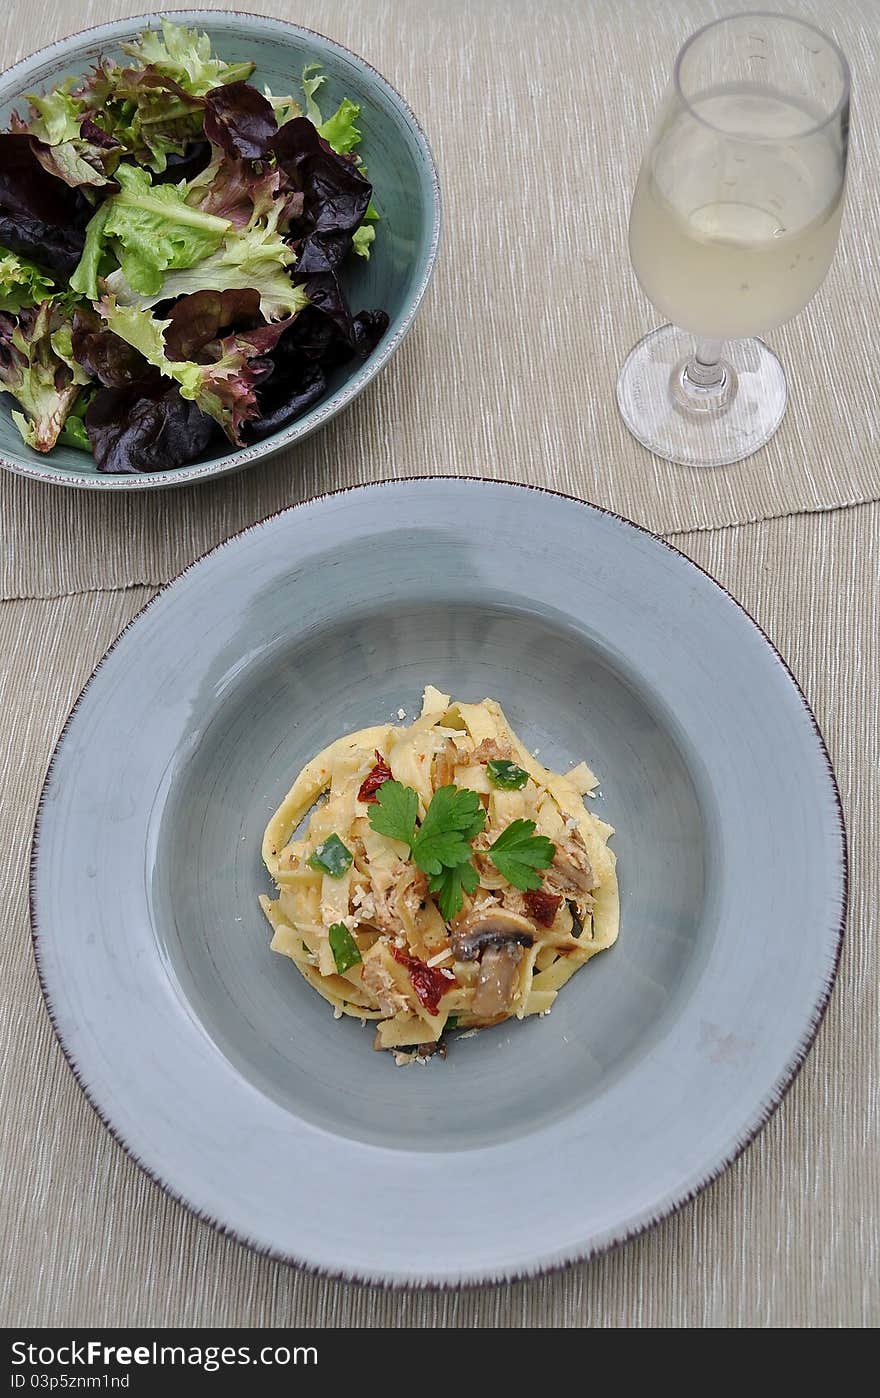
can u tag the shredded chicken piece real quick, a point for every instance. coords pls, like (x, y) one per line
(445, 763)
(492, 750)
(571, 869)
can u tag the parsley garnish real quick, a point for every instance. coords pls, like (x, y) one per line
(518, 853)
(447, 888)
(441, 845)
(506, 775)
(343, 946)
(394, 812)
(331, 857)
(453, 819)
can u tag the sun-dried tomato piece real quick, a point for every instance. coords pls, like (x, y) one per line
(429, 982)
(542, 906)
(379, 775)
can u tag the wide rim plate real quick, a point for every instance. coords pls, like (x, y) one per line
(681, 1113)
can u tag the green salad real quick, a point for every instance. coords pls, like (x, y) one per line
(172, 239)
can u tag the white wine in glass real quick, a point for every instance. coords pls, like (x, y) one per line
(734, 225)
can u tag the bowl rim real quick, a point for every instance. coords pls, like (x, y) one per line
(14, 81)
(763, 1111)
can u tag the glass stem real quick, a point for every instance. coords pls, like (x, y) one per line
(705, 370)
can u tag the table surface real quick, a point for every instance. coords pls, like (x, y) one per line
(537, 115)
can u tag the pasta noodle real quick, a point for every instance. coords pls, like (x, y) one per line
(373, 928)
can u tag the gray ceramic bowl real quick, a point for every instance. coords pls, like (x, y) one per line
(223, 1072)
(406, 193)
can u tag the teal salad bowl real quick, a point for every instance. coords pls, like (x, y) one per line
(406, 196)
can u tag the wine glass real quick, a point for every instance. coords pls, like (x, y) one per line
(734, 225)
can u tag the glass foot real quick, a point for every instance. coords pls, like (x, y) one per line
(700, 426)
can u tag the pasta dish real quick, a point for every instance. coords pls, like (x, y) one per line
(436, 876)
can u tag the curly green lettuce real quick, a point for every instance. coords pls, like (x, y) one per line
(185, 56)
(38, 369)
(224, 388)
(22, 283)
(152, 230)
(256, 258)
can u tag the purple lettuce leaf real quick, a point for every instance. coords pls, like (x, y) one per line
(41, 217)
(107, 357)
(284, 398)
(241, 190)
(335, 194)
(239, 120)
(196, 320)
(146, 427)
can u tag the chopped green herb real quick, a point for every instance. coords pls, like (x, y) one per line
(518, 853)
(343, 946)
(331, 857)
(506, 775)
(453, 819)
(394, 811)
(447, 887)
(451, 1022)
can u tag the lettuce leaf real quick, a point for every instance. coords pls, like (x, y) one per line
(38, 370)
(312, 82)
(21, 282)
(240, 121)
(283, 107)
(106, 358)
(336, 195)
(185, 56)
(146, 427)
(223, 388)
(257, 257)
(339, 130)
(362, 238)
(41, 218)
(145, 112)
(55, 115)
(154, 230)
(84, 281)
(75, 162)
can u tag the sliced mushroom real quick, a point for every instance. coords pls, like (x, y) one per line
(496, 928)
(493, 996)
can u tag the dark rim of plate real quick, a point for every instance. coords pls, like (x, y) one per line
(331, 404)
(578, 1254)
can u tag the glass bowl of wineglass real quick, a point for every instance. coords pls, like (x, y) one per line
(733, 227)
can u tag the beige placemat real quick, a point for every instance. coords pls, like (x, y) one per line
(788, 1236)
(538, 115)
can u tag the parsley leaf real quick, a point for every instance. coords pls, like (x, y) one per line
(343, 946)
(453, 819)
(447, 888)
(441, 847)
(519, 852)
(506, 775)
(394, 811)
(331, 857)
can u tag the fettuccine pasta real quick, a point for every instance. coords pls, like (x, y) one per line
(437, 876)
